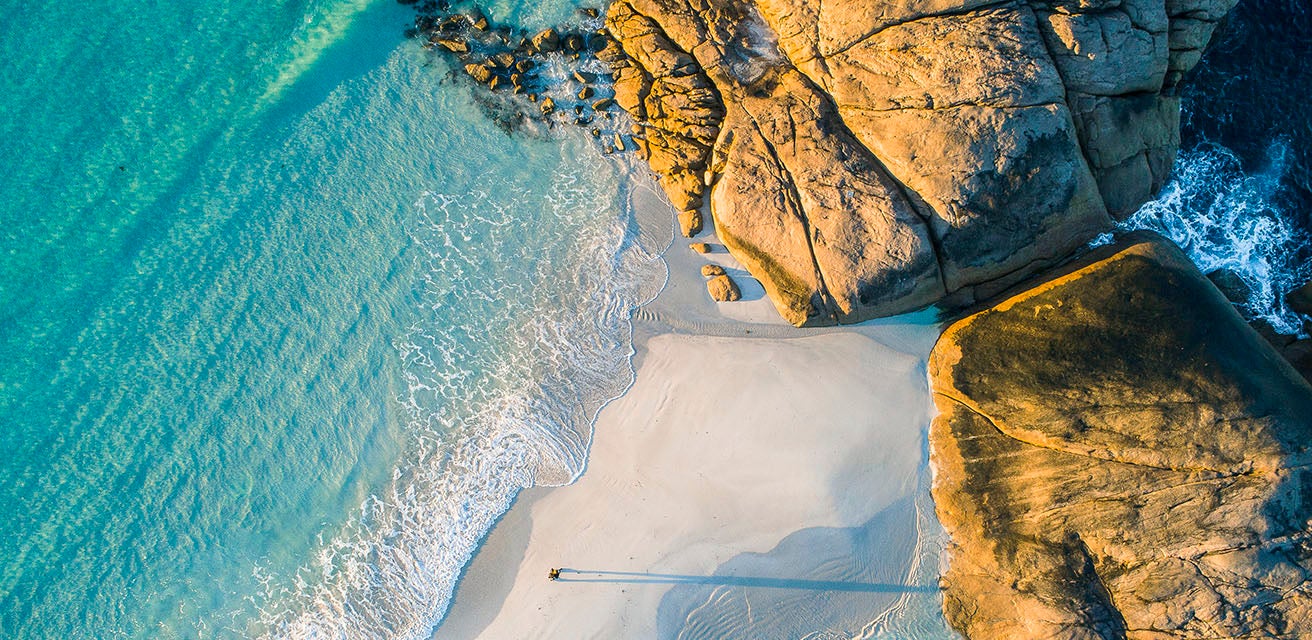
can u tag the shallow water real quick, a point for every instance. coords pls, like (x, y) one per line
(286, 320)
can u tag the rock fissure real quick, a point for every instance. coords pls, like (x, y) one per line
(897, 23)
(1049, 444)
(826, 297)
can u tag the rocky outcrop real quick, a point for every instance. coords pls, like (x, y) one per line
(663, 88)
(1118, 455)
(870, 157)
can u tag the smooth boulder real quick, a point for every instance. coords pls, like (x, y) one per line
(1118, 455)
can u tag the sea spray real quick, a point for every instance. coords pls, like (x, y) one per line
(1225, 218)
(479, 434)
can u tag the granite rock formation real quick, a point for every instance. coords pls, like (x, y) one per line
(1118, 455)
(870, 157)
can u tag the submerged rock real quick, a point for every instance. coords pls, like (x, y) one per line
(1300, 299)
(1118, 455)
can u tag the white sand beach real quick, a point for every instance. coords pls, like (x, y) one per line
(757, 481)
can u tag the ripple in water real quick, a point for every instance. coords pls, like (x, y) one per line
(525, 334)
(1225, 218)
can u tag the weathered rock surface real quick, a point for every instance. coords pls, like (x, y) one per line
(1118, 455)
(712, 270)
(870, 157)
(723, 289)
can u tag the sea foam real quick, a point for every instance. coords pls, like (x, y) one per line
(514, 355)
(1226, 218)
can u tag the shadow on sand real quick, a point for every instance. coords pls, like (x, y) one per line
(633, 577)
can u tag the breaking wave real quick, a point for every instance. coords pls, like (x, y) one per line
(524, 335)
(1225, 218)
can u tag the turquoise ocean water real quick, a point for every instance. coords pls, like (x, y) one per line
(285, 319)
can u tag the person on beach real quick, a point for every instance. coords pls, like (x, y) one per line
(553, 574)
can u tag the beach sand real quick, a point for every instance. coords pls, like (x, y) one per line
(757, 481)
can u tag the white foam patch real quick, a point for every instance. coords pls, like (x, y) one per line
(1225, 218)
(518, 352)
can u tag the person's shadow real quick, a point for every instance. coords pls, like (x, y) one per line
(633, 577)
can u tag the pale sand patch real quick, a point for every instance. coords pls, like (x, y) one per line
(774, 477)
(723, 446)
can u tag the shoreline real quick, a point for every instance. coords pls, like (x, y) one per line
(689, 356)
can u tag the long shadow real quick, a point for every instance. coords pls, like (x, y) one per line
(633, 577)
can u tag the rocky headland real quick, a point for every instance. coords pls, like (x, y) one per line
(1118, 453)
(868, 158)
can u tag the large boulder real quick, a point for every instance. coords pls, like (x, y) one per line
(869, 157)
(1118, 455)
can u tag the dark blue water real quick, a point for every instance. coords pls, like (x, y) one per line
(1241, 196)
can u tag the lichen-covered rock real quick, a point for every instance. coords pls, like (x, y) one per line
(867, 157)
(1118, 455)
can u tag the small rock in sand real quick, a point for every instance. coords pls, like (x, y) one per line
(700, 247)
(712, 270)
(723, 289)
(690, 223)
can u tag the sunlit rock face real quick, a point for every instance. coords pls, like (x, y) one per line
(870, 157)
(1118, 455)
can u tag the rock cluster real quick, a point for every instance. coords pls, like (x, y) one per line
(870, 157)
(1118, 455)
(510, 62)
